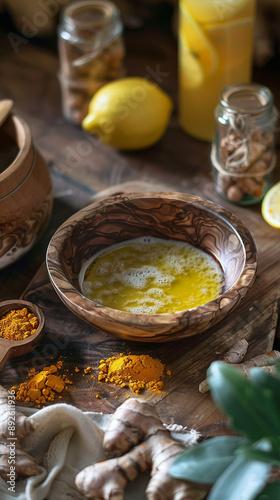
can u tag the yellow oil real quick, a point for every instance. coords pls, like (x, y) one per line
(151, 276)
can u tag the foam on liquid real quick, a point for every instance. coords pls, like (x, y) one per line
(152, 276)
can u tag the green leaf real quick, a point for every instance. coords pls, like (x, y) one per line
(270, 492)
(265, 380)
(262, 450)
(242, 480)
(205, 462)
(271, 385)
(248, 407)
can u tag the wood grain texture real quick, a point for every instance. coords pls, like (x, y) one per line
(176, 216)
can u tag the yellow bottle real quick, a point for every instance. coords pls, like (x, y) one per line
(215, 49)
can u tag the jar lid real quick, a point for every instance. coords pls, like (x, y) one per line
(246, 98)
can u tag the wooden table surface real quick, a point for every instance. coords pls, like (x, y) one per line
(80, 167)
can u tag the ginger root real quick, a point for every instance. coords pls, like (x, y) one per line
(237, 352)
(14, 426)
(264, 361)
(134, 422)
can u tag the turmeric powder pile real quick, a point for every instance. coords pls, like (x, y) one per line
(42, 386)
(18, 324)
(136, 371)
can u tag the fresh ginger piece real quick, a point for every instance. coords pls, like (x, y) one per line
(237, 352)
(133, 422)
(107, 480)
(55, 383)
(24, 465)
(266, 362)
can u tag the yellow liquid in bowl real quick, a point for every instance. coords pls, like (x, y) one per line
(151, 276)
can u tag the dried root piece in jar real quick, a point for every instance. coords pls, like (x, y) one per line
(259, 167)
(239, 154)
(234, 193)
(249, 186)
(223, 182)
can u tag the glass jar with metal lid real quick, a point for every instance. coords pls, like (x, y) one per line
(91, 53)
(243, 152)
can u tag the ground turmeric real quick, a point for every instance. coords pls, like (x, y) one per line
(18, 324)
(136, 371)
(42, 386)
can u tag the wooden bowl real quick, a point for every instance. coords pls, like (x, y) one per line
(25, 191)
(13, 348)
(176, 216)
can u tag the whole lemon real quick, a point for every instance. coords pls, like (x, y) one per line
(130, 113)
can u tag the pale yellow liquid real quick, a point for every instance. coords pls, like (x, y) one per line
(151, 276)
(215, 50)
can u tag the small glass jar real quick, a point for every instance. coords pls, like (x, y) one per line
(91, 51)
(243, 151)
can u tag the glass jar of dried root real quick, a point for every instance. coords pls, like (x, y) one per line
(243, 151)
(91, 51)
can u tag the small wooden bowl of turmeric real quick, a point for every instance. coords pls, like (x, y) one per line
(21, 328)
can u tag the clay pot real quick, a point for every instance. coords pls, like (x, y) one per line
(25, 192)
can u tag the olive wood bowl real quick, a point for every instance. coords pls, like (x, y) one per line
(13, 348)
(176, 216)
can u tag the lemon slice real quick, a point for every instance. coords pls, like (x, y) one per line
(271, 206)
(196, 43)
(237, 35)
(191, 71)
(209, 11)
